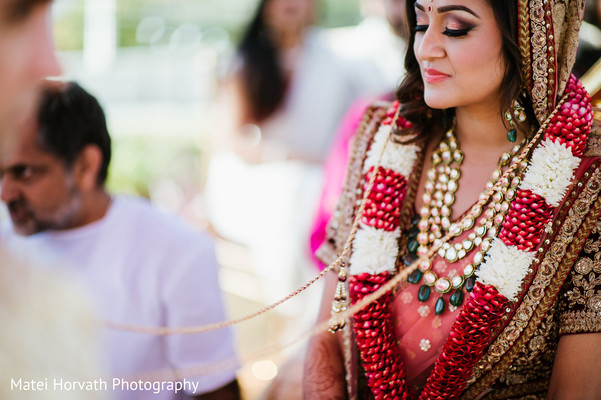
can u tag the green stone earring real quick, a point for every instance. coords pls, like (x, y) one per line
(515, 111)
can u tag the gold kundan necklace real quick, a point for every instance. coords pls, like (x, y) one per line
(435, 221)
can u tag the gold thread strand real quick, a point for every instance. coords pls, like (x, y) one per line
(226, 364)
(163, 331)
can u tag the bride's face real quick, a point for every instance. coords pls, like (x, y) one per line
(458, 45)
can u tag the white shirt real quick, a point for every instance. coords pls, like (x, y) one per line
(147, 268)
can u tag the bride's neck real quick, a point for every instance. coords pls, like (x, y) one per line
(481, 131)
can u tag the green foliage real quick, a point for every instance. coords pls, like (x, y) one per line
(231, 15)
(68, 27)
(336, 13)
(139, 161)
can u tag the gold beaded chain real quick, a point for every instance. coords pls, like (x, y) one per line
(439, 194)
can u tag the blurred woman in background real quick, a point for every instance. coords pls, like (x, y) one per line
(280, 105)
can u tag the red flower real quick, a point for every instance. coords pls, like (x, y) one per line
(470, 335)
(384, 370)
(572, 123)
(383, 206)
(525, 221)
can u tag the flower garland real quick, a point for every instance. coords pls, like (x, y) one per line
(380, 229)
(375, 250)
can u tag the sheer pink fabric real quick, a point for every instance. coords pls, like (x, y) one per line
(420, 333)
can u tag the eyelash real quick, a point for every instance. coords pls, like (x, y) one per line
(453, 33)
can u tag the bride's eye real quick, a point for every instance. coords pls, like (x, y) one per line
(457, 32)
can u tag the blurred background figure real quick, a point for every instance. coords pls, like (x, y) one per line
(375, 48)
(141, 266)
(589, 45)
(279, 106)
(48, 327)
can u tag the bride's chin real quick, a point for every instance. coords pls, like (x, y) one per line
(439, 99)
(437, 103)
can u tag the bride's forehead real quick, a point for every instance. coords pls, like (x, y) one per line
(435, 4)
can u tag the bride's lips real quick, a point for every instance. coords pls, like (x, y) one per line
(432, 75)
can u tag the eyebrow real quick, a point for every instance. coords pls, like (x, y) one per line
(445, 9)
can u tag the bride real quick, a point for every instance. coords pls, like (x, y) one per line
(476, 200)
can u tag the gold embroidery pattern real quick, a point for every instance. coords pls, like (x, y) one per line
(539, 45)
(586, 289)
(534, 361)
(326, 253)
(580, 322)
(593, 146)
(541, 294)
(581, 300)
(539, 21)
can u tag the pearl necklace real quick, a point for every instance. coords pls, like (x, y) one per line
(434, 221)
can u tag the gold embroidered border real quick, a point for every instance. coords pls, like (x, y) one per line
(547, 38)
(538, 42)
(593, 146)
(326, 253)
(579, 322)
(559, 257)
(552, 50)
(567, 15)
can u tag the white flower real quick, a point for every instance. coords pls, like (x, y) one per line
(374, 251)
(505, 267)
(550, 171)
(397, 157)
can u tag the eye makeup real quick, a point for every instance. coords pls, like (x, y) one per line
(454, 26)
(457, 27)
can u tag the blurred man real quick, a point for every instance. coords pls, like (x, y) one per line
(142, 267)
